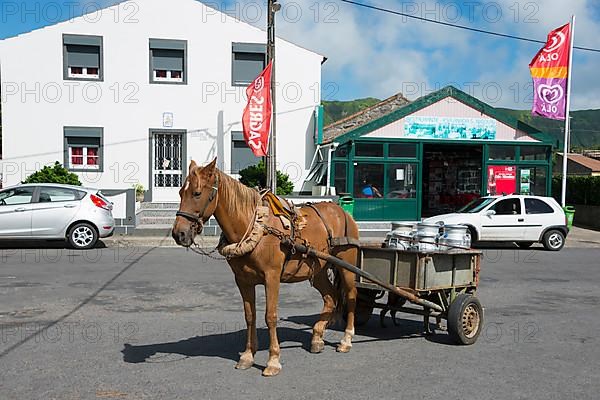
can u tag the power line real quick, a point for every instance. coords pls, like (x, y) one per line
(468, 28)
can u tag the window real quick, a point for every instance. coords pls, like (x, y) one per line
(502, 152)
(537, 206)
(16, 196)
(401, 182)
(83, 149)
(507, 207)
(82, 57)
(55, 195)
(340, 177)
(533, 153)
(368, 150)
(403, 150)
(168, 61)
(248, 61)
(241, 155)
(532, 180)
(342, 151)
(368, 180)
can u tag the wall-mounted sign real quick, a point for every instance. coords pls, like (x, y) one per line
(450, 128)
(167, 120)
(502, 179)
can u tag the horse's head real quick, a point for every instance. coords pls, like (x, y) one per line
(199, 196)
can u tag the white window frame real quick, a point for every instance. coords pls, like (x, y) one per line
(84, 73)
(85, 157)
(168, 78)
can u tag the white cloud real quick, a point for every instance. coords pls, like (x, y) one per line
(372, 53)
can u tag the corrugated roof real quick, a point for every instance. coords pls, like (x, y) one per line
(592, 164)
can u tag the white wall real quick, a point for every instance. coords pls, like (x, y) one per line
(38, 103)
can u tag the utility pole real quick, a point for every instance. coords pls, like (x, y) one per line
(272, 7)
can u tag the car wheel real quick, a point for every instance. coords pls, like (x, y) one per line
(524, 245)
(82, 236)
(554, 240)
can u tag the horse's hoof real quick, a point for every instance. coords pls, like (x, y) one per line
(343, 348)
(272, 370)
(244, 363)
(317, 347)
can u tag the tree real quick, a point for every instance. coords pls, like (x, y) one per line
(54, 174)
(256, 176)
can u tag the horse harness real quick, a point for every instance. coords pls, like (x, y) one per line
(197, 220)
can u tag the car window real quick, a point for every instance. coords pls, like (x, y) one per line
(537, 206)
(476, 205)
(507, 207)
(15, 196)
(54, 195)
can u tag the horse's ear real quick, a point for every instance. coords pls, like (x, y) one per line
(210, 168)
(193, 165)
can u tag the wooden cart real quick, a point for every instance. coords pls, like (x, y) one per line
(446, 280)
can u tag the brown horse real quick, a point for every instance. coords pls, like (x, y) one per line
(208, 191)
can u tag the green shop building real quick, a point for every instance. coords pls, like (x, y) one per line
(405, 160)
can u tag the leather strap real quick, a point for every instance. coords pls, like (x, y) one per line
(198, 218)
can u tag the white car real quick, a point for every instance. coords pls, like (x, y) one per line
(54, 211)
(515, 218)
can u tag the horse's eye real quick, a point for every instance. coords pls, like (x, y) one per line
(197, 194)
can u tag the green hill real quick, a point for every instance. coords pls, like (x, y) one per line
(336, 110)
(585, 127)
(585, 124)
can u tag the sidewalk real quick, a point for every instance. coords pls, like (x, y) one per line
(578, 238)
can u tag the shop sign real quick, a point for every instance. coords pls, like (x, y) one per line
(502, 179)
(450, 128)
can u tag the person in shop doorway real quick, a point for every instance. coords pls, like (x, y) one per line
(368, 190)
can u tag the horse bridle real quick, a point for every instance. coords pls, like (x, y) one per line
(199, 218)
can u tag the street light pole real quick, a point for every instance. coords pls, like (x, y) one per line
(273, 6)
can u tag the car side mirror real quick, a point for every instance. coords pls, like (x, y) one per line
(489, 213)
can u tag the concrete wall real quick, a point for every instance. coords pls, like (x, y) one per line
(37, 102)
(587, 216)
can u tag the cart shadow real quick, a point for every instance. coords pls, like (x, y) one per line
(372, 331)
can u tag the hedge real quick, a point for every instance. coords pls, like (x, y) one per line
(583, 190)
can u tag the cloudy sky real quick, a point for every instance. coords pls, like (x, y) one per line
(376, 54)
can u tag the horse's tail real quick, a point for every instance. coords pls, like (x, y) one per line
(340, 307)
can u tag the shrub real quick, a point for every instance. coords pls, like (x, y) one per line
(256, 176)
(54, 174)
(583, 190)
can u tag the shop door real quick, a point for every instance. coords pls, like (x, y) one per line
(167, 165)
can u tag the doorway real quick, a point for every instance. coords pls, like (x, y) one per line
(451, 177)
(167, 169)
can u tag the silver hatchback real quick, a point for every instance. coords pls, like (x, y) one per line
(54, 211)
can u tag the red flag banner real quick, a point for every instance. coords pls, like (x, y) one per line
(256, 120)
(549, 70)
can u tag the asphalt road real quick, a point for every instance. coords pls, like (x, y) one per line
(167, 324)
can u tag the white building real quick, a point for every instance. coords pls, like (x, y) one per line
(130, 94)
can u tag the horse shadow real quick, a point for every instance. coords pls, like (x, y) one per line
(228, 345)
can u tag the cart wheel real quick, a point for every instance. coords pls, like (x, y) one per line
(465, 319)
(365, 302)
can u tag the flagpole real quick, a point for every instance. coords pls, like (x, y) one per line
(563, 196)
(271, 164)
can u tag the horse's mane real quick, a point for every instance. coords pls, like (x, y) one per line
(238, 198)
